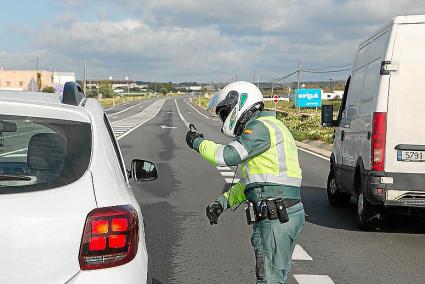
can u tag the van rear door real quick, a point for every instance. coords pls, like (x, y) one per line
(405, 146)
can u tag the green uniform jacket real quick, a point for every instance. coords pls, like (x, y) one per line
(269, 158)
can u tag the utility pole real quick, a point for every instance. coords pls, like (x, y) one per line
(258, 82)
(272, 88)
(85, 76)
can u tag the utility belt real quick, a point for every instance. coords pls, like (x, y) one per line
(271, 208)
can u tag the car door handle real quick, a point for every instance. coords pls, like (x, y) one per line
(342, 135)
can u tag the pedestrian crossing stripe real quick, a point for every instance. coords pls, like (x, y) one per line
(313, 279)
(300, 254)
(227, 174)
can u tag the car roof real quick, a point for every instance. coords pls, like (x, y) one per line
(30, 97)
(40, 104)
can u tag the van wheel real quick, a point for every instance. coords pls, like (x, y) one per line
(367, 214)
(335, 196)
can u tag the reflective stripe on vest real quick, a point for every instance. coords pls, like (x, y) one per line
(279, 164)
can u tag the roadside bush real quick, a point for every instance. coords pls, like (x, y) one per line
(48, 90)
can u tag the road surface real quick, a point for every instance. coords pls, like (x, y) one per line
(184, 248)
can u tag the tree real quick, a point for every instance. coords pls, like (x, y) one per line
(48, 90)
(106, 90)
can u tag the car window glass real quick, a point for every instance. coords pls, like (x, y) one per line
(341, 112)
(40, 153)
(115, 144)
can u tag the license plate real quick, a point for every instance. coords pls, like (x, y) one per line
(410, 156)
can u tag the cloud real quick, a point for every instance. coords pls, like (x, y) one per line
(212, 40)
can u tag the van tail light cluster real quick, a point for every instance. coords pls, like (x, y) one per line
(110, 237)
(379, 131)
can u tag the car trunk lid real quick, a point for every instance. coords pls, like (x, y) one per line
(42, 231)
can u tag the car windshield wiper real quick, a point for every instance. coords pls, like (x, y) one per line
(14, 177)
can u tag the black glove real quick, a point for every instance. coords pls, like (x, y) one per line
(214, 210)
(191, 136)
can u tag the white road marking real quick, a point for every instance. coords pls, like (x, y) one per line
(196, 110)
(126, 109)
(125, 126)
(314, 154)
(300, 254)
(170, 127)
(180, 114)
(12, 152)
(227, 174)
(313, 279)
(231, 181)
(15, 155)
(220, 168)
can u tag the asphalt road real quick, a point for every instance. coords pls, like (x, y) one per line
(184, 248)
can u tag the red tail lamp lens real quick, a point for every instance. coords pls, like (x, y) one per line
(97, 243)
(110, 237)
(117, 241)
(99, 227)
(119, 224)
(379, 133)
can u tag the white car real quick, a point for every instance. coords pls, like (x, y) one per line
(379, 146)
(67, 212)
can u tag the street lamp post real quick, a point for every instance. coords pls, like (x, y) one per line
(128, 89)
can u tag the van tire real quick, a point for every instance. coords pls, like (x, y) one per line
(336, 198)
(367, 217)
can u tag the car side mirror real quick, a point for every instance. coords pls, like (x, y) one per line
(328, 116)
(142, 170)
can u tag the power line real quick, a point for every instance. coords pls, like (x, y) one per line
(327, 71)
(329, 67)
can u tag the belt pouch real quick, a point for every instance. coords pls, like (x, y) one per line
(250, 213)
(272, 210)
(281, 211)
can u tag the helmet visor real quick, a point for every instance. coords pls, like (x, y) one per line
(224, 108)
(223, 112)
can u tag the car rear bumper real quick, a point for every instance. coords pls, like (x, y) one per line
(396, 189)
(135, 271)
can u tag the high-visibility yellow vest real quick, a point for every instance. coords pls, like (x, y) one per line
(279, 164)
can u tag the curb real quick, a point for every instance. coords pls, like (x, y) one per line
(320, 151)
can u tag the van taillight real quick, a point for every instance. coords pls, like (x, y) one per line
(378, 140)
(110, 237)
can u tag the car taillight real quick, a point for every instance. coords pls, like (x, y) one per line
(110, 237)
(379, 130)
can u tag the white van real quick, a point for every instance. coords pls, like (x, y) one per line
(379, 145)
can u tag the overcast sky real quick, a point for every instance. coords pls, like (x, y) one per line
(190, 40)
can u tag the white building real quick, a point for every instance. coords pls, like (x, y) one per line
(333, 95)
(60, 78)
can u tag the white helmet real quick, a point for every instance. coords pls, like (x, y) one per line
(235, 104)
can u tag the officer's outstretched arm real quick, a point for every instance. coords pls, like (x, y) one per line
(234, 196)
(254, 140)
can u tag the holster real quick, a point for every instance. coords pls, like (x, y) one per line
(271, 209)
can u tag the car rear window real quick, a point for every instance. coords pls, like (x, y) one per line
(40, 153)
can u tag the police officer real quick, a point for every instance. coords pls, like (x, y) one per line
(271, 176)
